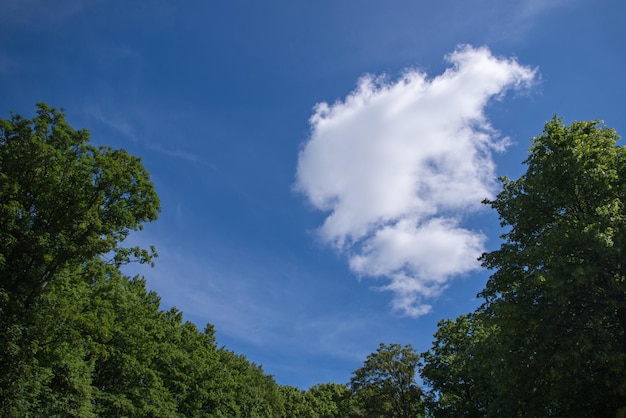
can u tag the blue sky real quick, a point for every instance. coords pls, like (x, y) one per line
(320, 164)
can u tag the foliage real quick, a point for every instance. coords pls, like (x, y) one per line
(47, 370)
(246, 391)
(385, 386)
(297, 403)
(78, 338)
(559, 292)
(331, 400)
(460, 368)
(550, 337)
(63, 201)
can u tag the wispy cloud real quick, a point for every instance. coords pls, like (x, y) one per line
(398, 165)
(517, 20)
(8, 64)
(128, 130)
(254, 300)
(175, 153)
(118, 124)
(529, 10)
(16, 12)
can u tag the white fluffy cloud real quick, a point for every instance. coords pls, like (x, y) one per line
(398, 164)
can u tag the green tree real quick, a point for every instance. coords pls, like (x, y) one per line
(63, 204)
(461, 368)
(77, 337)
(51, 351)
(245, 391)
(297, 403)
(331, 400)
(558, 291)
(64, 201)
(188, 364)
(385, 386)
(127, 376)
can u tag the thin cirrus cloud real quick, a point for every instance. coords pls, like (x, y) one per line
(399, 164)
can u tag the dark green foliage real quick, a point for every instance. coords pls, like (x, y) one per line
(460, 368)
(331, 400)
(297, 403)
(63, 204)
(126, 376)
(245, 390)
(77, 337)
(328, 400)
(550, 338)
(559, 292)
(385, 386)
(63, 201)
(49, 349)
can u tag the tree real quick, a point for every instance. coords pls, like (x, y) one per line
(63, 204)
(77, 337)
(127, 374)
(460, 368)
(63, 201)
(331, 400)
(245, 390)
(385, 386)
(49, 373)
(558, 291)
(297, 403)
(188, 364)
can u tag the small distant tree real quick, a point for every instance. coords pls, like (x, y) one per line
(331, 400)
(461, 368)
(385, 386)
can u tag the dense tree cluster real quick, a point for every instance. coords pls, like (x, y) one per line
(79, 338)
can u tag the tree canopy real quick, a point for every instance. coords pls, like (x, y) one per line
(64, 201)
(385, 386)
(550, 337)
(558, 291)
(78, 338)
